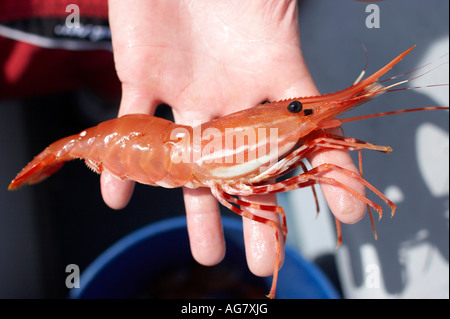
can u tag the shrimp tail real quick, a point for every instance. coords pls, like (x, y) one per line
(42, 166)
(140, 147)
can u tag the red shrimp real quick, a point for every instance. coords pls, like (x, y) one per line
(239, 154)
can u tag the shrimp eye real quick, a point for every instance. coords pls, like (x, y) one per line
(295, 106)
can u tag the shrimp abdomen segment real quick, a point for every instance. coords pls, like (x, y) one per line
(135, 146)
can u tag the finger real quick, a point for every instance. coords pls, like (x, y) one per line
(137, 100)
(260, 241)
(202, 211)
(344, 206)
(116, 193)
(204, 226)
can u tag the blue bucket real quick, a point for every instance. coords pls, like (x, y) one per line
(155, 262)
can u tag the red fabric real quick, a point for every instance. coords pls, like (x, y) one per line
(23, 9)
(27, 70)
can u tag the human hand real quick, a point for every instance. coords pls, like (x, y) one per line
(207, 59)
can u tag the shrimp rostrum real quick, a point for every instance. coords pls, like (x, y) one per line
(237, 155)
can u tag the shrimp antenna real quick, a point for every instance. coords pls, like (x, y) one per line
(416, 69)
(389, 88)
(369, 116)
(363, 72)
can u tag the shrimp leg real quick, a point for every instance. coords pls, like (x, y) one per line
(268, 208)
(221, 197)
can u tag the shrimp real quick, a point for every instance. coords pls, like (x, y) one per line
(237, 155)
